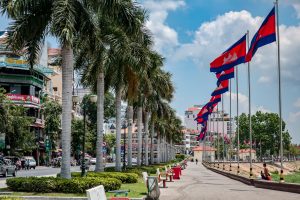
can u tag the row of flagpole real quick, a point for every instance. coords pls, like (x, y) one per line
(222, 67)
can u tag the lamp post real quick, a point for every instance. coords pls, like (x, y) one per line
(75, 99)
(124, 126)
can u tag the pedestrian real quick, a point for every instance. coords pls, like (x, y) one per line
(266, 172)
(262, 175)
(196, 161)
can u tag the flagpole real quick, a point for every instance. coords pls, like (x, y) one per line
(223, 133)
(230, 127)
(237, 120)
(218, 149)
(211, 135)
(250, 125)
(279, 90)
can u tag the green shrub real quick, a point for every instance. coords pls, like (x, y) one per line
(180, 157)
(51, 184)
(10, 198)
(123, 177)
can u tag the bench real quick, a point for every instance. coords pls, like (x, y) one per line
(98, 193)
(162, 178)
(169, 173)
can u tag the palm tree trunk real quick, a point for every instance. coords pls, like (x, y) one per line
(100, 120)
(139, 122)
(146, 128)
(67, 73)
(151, 148)
(118, 129)
(158, 148)
(130, 123)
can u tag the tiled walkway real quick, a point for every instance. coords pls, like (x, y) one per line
(199, 183)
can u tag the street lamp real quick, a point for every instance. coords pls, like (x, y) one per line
(124, 126)
(75, 99)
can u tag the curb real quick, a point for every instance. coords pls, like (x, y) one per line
(285, 187)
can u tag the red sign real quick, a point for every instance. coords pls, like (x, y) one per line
(26, 98)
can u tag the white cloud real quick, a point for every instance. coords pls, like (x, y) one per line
(294, 117)
(243, 104)
(297, 8)
(165, 37)
(297, 103)
(264, 79)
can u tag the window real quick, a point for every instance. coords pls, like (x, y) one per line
(55, 89)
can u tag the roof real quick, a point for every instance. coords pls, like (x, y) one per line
(246, 151)
(205, 148)
(193, 109)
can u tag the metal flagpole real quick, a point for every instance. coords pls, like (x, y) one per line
(223, 133)
(279, 91)
(230, 126)
(218, 137)
(212, 134)
(250, 125)
(237, 120)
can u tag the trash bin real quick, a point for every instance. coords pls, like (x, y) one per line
(176, 171)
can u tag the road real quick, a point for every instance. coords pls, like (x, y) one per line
(199, 183)
(45, 171)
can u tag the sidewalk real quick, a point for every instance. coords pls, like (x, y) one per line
(197, 183)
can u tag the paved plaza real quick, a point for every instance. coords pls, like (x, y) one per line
(199, 183)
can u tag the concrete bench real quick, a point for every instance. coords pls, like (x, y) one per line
(96, 193)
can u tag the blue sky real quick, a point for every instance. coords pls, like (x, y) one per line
(191, 33)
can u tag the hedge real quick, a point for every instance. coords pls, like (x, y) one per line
(123, 177)
(51, 184)
(180, 157)
(10, 198)
(137, 170)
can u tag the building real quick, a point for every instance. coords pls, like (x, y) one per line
(244, 154)
(204, 152)
(191, 128)
(25, 87)
(215, 124)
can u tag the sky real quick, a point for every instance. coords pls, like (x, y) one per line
(192, 33)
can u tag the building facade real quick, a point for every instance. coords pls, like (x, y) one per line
(25, 86)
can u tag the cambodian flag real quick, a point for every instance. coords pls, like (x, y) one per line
(225, 75)
(266, 34)
(231, 57)
(222, 88)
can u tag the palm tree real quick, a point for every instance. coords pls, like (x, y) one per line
(66, 20)
(112, 34)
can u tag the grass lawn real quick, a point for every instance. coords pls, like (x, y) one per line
(291, 178)
(136, 190)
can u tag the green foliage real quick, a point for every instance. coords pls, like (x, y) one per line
(123, 177)
(51, 184)
(16, 125)
(180, 157)
(265, 127)
(110, 140)
(77, 134)
(91, 130)
(290, 178)
(137, 170)
(52, 111)
(10, 198)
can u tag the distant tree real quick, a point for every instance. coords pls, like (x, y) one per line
(110, 140)
(265, 132)
(77, 136)
(52, 111)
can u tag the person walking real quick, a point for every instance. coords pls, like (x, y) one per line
(196, 161)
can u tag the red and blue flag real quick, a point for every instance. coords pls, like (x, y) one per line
(222, 88)
(225, 75)
(266, 34)
(231, 57)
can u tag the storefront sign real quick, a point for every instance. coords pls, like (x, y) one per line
(25, 98)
